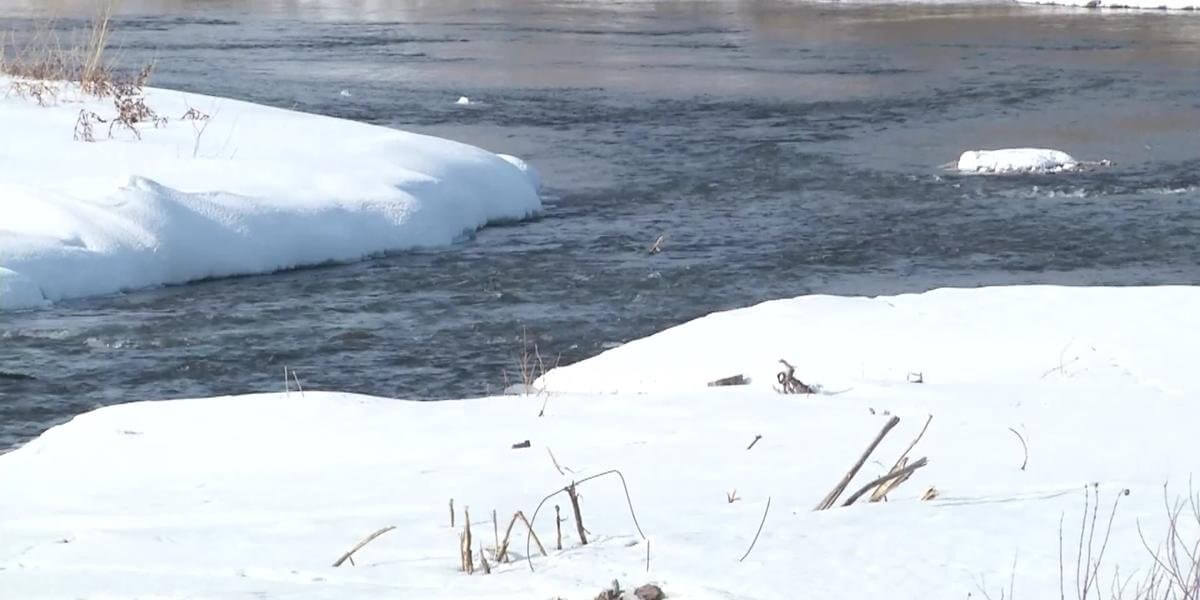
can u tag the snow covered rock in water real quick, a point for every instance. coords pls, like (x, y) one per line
(463, 101)
(18, 291)
(255, 190)
(1016, 160)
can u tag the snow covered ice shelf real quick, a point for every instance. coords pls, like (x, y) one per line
(252, 189)
(256, 496)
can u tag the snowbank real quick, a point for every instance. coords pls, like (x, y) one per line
(989, 336)
(252, 189)
(256, 496)
(1016, 160)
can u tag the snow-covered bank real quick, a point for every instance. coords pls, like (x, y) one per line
(988, 336)
(250, 189)
(256, 496)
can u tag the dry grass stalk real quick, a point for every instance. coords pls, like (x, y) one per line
(452, 513)
(557, 528)
(348, 556)
(833, 494)
(467, 553)
(495, 534)
(502, 553)
(731, 497)
(759, 532)
(901, 475)
(1024, 447)
(628, 501)
(881, 492)
(487, 569)
(574, 496)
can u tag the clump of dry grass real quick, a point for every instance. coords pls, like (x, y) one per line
(42, 59)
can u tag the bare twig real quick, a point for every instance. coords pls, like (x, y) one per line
(452, 513)
(756, 438)
(760, 528)
(359, 545)
(557, 467)
(833, 494)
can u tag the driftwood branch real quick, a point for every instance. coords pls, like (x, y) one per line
(905, 472)
(628, 501)
(833, 494)
(359, 545)
(757, 533)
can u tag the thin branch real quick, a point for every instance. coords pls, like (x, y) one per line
(760, 528)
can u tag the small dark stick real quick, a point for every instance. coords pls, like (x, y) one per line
(756, 438)
(557, 528)
(578, 516)
(452, 513)
(524, 444)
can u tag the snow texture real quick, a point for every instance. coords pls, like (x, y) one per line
(251, 189)
(1016, 160)
(256, 496)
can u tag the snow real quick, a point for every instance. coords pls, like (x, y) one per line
(252, 189)
(256, 496)
(1016, 160)
(1186, 5)
(463, 101)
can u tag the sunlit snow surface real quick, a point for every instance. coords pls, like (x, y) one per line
(256, 496)
(249, 189)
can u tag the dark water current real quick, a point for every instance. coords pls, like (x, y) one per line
(782, 148)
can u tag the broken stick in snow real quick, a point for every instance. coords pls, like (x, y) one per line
(574, 496)
(902, 473)
(882, 491)
(365, 541)
(833, 494)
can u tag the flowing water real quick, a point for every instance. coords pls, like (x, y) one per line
(781, 148)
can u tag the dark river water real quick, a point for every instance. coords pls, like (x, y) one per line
(782, 149)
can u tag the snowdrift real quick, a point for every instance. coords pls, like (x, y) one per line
(249, 189)
(1035, 394)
